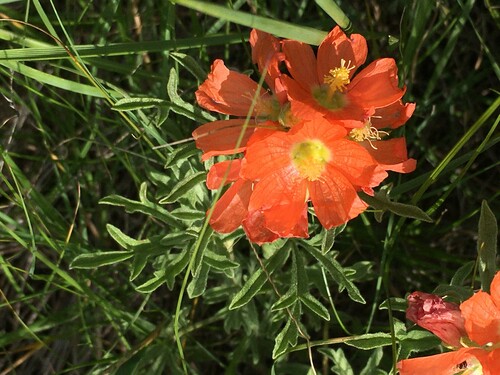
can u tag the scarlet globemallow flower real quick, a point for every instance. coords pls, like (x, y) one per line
(326, 84)
(314, 162)
(479, 352)
(233, 93)
(442, 318)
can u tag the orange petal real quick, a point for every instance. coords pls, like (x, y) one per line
(393, 115)
(223, 173)
(301, 63)
(336, 47)
(353, 115)
(229, 92)
(482, 318)
(266, 156)
(232, 207)
(495, 289)
(221, 137)
(282, 199)
(356, 163)
(266, 54)
(391, 155)
(254, 226)
(444, 364)
(376, 85)
(334, 199)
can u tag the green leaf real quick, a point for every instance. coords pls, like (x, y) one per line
(462, 274)
(190, 64)
(382, 202)
(287, 336)
(130, 104)
(286, 300)
(151, 285)
(183, 187)
(255, 283)
(373, 362)
(370, 341)
(138, 265)
(182, 107)
(198, 283)
(123, 240)
(342, 366)
(100, 259)
(397, 304)
(176, 266)
(336, 271)
(487, 246)
(219, 262)
(315, 306)
(200, 253)
(143, 206)
(417, 340)
(281, 29)
(329, 237)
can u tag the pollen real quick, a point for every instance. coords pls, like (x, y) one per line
(310, 158)
(367, 133)
(338, 78)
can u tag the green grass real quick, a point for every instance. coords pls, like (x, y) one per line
(106, 263)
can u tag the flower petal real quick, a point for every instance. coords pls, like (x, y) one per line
(229, 169)
(282, 199)
(391, 155)
(482, 318)
(266, 156)
(334, 199)
(232, 207)
(376, 85)
(229, 92)
(301, 63)
(356, 163)
(336, 47)
(266, 54)
(443, 364)
(393, 115)
(254, 226)
(221, 137)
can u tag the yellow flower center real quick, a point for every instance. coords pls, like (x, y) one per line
(310, 158)
(367, 133)
(338, 78)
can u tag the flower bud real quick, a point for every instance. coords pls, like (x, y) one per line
(431, 312)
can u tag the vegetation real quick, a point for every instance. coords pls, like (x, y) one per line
(106, 262)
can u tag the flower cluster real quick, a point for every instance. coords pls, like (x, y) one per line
(472, 329)
(318, 134)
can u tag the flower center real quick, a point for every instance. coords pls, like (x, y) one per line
(310, 158)
(286, 117)
(338, 79)
(367, 133)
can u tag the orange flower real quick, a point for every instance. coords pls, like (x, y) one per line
(232, 93)
(326, 85)
(481, 314)
(313, 161)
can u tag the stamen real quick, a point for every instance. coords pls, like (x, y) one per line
(338, 78)
(367, 133)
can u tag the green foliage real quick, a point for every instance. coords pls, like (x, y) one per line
(107, 264)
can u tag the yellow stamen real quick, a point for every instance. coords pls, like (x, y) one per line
(338, 78)
(310, 158)
(367, 133)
